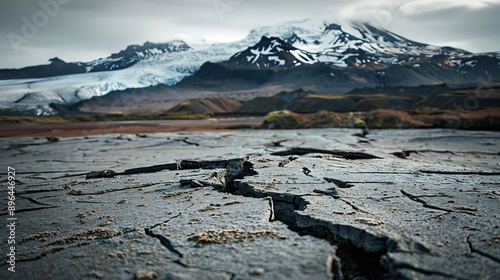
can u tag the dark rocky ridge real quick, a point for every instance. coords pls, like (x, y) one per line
(56, 67)
(438, 97)
(238, 80)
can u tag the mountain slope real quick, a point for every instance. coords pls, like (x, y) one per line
(324, 57)
(207, 105)
(121, 60)
(271, 52)
(56, 67)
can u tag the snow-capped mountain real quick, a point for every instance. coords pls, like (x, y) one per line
(270, 52)
(134, 54)
(336, 46)
(337, 52)
(121, 60)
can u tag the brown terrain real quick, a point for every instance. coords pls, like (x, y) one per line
(437, 106)
(125, 127)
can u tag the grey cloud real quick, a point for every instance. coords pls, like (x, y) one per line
(89, 29)
(477, 29)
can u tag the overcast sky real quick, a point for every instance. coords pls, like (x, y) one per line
(84, 30)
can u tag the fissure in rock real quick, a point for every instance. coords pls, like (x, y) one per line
(351, 261)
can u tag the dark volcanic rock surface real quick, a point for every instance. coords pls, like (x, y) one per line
(222, 206)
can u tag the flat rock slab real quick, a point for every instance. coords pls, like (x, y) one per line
(313, 214)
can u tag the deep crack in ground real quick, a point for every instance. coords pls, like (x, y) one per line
(354, 261)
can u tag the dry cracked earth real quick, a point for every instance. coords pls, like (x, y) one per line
(297, 204)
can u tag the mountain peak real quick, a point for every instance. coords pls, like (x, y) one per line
(272, 52)
(332, 26)
(274, 41)
(56, 61)
(135, 53)
(149, 49)
(294, 39)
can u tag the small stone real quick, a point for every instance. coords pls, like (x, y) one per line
(96, 274)
(283, 162)
(146, 275)
(80, 256)
(117, 254)
(101, 174)
(196, 184)
(258, 271)
(185, 182)
(306, 171)
(470, 228)
(464, 208)
(368, 221)
(52, 139)
(194, 221)
(438, 244)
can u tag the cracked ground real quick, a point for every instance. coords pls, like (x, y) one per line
(298, 204)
